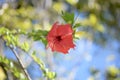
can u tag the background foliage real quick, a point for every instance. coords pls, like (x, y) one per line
(24, 25)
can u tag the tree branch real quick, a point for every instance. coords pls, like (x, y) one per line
(19, 60)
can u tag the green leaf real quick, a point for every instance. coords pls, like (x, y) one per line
(51, 75)
(44, 41)
(11, 40)
(39, 35)
(25, 46)
(68, 17)
(11, 66)
(76, 25)
(4, 31)
(46, 73)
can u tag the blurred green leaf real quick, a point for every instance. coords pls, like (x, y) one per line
(25, 46)
(48, 74)
(113, 72)
(39, 35)
(94, 71)
(11, 66)
(68, 17)
(2, 74)
(77, 25)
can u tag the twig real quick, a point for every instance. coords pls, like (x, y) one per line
(19, 60)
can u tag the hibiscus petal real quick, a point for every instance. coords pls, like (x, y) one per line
(60, 48)
(51, 44)
(53, 32)
(64, 29)
(68, 41)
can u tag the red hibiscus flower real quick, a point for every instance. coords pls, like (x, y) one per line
(60, 38)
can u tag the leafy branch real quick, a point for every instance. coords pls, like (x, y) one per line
(9, 65)
(11, 40)
(19, 60)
